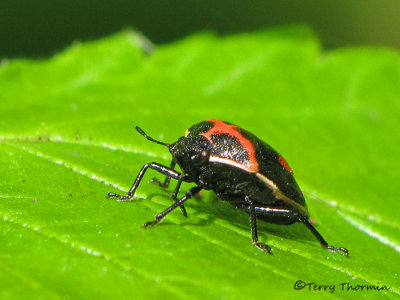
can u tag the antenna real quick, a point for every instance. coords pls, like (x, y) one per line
(150, 138)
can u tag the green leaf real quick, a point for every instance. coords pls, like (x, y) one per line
(67, 138)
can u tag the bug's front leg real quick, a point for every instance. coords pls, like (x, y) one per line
(155, 166)
(167, 180)
(189, 194)
(175, 194)
(253, 221)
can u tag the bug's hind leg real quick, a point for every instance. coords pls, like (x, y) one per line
(320, 238)
(253, 221)
(297, 217)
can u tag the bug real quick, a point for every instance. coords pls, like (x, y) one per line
(239, 168)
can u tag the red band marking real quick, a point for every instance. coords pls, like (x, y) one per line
(223, 128)
(284, 164)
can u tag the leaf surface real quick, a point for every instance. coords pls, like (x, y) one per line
(67, 138)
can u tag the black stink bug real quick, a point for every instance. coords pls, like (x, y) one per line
(239, 168)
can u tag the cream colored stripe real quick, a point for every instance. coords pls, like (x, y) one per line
(277, 193)
(229, 162)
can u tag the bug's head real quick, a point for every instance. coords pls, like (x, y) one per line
(190, 154)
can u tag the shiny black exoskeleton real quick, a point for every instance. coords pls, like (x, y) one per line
(238, 167)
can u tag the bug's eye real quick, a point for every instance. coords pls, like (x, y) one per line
(199, 158)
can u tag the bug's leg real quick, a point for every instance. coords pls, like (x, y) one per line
(320, 238)
(189, 194)
(178, 186)
(155, 166)
(279, 212)
(167, 180)
(253, 221)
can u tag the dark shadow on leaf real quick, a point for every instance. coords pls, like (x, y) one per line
(218, 209)
(223, 210)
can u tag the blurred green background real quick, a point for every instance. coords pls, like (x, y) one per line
(42, 28)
